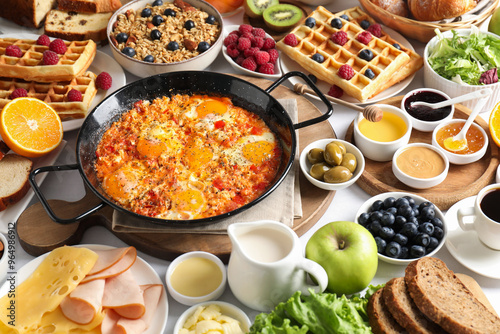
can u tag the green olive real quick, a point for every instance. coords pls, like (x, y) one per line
(337, 174)
(318, 170)
(315, 156)
(342, 146)
(349, 161)
(333, 154)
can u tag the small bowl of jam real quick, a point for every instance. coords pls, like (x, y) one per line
(424, 118)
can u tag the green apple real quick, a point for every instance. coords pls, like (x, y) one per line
(494, 25)
(348, 253)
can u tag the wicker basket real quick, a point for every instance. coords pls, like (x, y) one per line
(420, 30)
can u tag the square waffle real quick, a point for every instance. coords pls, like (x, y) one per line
(386, 62)
(75, 61)
(55, 93)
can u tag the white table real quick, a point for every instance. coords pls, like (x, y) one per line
(69, 186)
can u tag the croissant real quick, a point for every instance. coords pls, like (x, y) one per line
(396, 7)
(435, 10)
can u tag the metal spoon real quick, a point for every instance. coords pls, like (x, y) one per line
(459, 141)
(471, 96)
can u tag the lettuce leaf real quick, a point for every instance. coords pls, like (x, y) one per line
(317, 313)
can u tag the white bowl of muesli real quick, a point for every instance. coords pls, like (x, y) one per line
(149, 37)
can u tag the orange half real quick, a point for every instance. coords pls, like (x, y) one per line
(494, 124)
(30, 127)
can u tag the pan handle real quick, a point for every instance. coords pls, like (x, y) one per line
(44, 201)
(311, 84)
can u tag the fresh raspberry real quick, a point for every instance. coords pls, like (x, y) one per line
(75, 96)
(339, 37)
(239, 59)
(267, 68)
(259, 32)
(346, 72)
(273, 55)
(235, 32)
(248, 35)
(250, 52)
(269, 43)
(43, 40)
(104, 81)
(50, 58)
(249, 63)
(232, 50)
(13, 51)
(375, 30)
(58, 46)
(18, 92)
(231, 38)
(291, 40)
(244, 43)
(336, 91)
(245, 28)
(364, 37)
(257, 42)
(261, 57)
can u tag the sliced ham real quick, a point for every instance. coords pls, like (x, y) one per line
(123, 294)
(112, 262)
(84, 302)
(108, 325)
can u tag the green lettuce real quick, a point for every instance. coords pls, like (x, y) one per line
(317, 313)
(464, 58)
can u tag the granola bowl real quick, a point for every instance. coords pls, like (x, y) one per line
(149, 37)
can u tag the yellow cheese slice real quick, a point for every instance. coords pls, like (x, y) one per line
(56, 323)
(42, 292)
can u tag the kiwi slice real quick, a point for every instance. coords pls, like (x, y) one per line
(255, 8)
(282, 17)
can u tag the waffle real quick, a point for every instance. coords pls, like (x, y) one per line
(55, 94)
(387, 60)
(74, 62)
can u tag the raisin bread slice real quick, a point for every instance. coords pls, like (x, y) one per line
(29, 13)
(73, 26)
(14, 183)
(442, 297)
(89, 6)
(379, 317)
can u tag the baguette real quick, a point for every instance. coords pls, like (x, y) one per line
(443, 298)
(379, 317)
(89, 6)
(14, 174)
(74, 26)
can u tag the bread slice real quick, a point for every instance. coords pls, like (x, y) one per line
(403, 309)
(476, 290)
(73, 26)
(89, 6)
(29, 13)
(14, 174)
(379, 317)
(442, 297)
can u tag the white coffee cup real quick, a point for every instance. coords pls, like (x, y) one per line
(487, 229)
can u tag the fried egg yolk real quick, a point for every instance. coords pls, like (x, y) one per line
(252, 149)
(211, 107)
(198, 154)
(124, 183)
(189, 200)
(156, 140)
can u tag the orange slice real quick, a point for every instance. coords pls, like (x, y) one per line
(494, 124)
(30, 127)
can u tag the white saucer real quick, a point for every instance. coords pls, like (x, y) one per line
(465, 246)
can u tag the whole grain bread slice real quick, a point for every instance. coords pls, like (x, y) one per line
(379, 317)
(14, 174)
(403, 309)
(442, 297)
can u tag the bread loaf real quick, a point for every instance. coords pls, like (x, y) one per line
(30, 13)
(435, 10)
(396, 7)
(379, 317)
(444, 299)
(74, 26)
(89, 6)
(14, 174)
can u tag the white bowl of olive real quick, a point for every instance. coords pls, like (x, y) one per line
(332, 164)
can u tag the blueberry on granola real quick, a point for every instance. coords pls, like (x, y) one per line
(157, 20)
(173, 45)
(203, 46)
(210, 19)
(149, 59)
(121, 37)
(169, 12)
(189, 25)
(155, 34)
(158, 3)
(146, 12)
(128, 51)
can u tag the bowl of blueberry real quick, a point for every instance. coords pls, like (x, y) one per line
(149, 37)
(405, 226)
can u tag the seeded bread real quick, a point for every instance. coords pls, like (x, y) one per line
(73, 26)
(14, 184)
(443, 298)
(29, 13)
(89, 6)
(403, 309)
(379, 317)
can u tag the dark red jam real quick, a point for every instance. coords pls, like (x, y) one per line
(425, 113)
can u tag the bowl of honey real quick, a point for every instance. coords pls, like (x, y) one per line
(379, 141)
(477, 141)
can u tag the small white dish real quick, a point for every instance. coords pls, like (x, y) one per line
(377, 150)
(466, 247)
(305, 165)
(226, 309)
(461, 159)
(3, 258)
(192, 300)
(415, 182)
(242, 70)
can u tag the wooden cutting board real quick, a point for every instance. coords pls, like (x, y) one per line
(462, 181)
(39, 234)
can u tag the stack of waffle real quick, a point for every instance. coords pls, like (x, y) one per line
(390, 63)
(50, 83)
